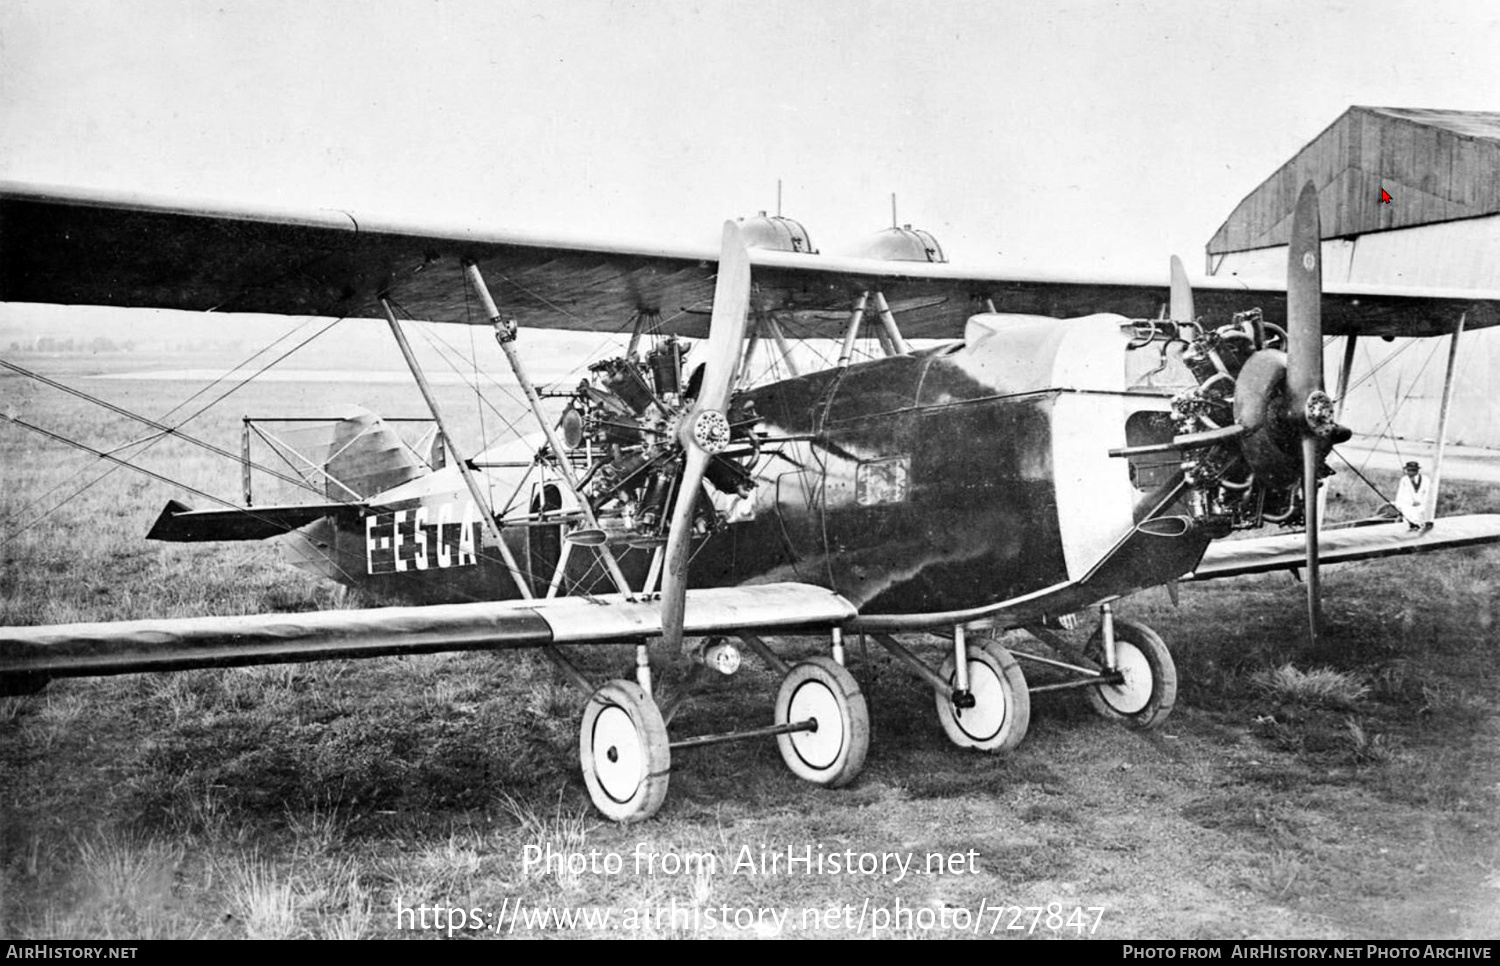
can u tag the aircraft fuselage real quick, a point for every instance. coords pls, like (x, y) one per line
(950, 479)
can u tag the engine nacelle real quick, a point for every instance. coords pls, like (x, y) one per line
(775, 233)
(904, 244)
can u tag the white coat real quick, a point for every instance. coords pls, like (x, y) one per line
(1411, 500)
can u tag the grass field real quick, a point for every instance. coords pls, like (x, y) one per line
(1350, 791)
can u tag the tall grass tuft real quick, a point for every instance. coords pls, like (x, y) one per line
(12, 708)
(318, 831)
(355, 911)
(562, 832)
(264, 903)
(1320, 686)
(126, 874)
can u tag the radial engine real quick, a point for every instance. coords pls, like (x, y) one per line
(1241, 465)
(624, 424)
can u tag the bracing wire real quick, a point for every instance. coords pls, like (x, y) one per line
(178, 425)
(240, 365)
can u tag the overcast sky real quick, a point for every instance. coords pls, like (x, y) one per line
(1061, 134)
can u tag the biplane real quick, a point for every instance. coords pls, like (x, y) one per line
(1026, 449)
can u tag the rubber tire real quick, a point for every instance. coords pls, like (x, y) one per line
(1139, 651)
(622, 719)
(820, 688)
(998, 685)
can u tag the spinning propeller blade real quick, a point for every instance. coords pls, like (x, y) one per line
(705, 429)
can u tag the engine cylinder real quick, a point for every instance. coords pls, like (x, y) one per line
(624, 379)
(666, 367)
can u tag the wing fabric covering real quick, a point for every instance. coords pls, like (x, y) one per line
(80, 650)
(66, 246)
(1234, 558)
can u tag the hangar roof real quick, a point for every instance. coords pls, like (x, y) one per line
(1437, 166)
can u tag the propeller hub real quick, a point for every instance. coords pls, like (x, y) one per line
(1318, 411)
(709, 431)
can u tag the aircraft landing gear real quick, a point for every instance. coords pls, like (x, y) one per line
(1145, 697)
(822, 726)
(833, 753)
(999, 710)
(623, 747)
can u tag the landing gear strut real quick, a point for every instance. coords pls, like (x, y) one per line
(1148, 689)
(982, 703)
(997, 711)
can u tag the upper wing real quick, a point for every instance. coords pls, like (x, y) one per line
(1232, 558)
(71, 247)
(31, 655)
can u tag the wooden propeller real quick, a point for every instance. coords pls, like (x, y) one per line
(1180, 308)
(1310, 410)
(1282, 417)
(704, 431)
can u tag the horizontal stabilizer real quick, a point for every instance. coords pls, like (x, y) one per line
(31, 655)
(1233, 558)
(180, 523)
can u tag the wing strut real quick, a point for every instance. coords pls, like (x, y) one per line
(1341, 391)
(892, 330)
(769, 321)
(856, 317)
(505, 334)
(1442, 432)
(480, 499)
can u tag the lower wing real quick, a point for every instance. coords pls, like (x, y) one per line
(29, 656)
(1233, 558)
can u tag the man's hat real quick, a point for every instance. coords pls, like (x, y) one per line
(1413, 465)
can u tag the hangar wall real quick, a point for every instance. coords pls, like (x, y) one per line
(1398, 387)
(1439, 166)
(1442, 229)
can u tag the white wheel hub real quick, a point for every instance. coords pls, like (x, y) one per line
(821, 690)
(1001, 711)
(819, 748)
(619, 762)
(1134, 693)
(991, 703)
